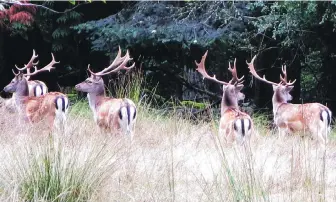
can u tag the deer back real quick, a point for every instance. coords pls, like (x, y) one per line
(299, 117)
(235, 125)
(108, 112)
(37, 108)
(37, 88)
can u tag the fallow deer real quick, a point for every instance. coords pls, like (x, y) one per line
(50, 106)
(36, 87)
(111, 114)
(313, 118)
(234, 124)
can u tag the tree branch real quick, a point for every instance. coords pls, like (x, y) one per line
(41, 6)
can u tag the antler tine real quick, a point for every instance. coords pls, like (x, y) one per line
(254, 73)
(121, 66)
(201, 69)
(284, 78)
(15, 74)
(233, 71)
(30, 64)
(90, 70)
(121, 61)
(117, 61)
(283, 69)
(48, 67)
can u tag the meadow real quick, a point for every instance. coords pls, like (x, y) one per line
(171, 158)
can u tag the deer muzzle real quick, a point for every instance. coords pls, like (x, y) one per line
(9, 89)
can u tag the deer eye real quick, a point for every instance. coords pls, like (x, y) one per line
(88, 81)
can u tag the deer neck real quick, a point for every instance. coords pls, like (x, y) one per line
(228, 102)
(277, 101)
(21, 93)
(95, 99)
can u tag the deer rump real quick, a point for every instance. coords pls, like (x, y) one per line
(311, 117)
(116, 115)
(37, 88)
(235, 126)
(51, 106)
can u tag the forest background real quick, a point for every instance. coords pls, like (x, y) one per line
(165, 38)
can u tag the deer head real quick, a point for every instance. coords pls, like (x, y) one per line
(282, 89)
(19, 82)
(95, 84)
(231, 89)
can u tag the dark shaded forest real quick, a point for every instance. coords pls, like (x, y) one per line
(165, 38)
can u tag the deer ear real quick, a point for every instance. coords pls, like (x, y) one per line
(20, 76)
(239, 87)
(98, 78)
(274, 87)
(289, 88)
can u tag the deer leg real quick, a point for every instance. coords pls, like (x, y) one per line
(51, 121)
(282, 132)
(321, 131)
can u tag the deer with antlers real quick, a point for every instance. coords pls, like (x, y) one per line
(313, 118)
(35, 87)
(50, 106)
(111, 114)
(235, 125)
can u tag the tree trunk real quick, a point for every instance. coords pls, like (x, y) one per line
(2, 58)
(296, 74)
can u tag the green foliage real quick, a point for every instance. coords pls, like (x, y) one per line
(149, 24)
(63, 31)
(47, 179)
(19, 29)
(193, 104)
(129, 86)
(80, 108)
(301, 31)
(167, 37)
(56, 27)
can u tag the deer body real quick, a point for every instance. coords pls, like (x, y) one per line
(110, 114)
(311, 118)
(234, 125)
(115, 115)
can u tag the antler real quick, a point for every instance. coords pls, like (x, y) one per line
(235, 80)
(30, 63)
(254, 73)
(201, 69)
(121, 61)
(15, 74)
(284, 79)
(48, 67)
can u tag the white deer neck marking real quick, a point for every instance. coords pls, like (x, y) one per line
(93, 102)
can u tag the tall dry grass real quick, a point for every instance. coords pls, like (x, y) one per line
(170, 159)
